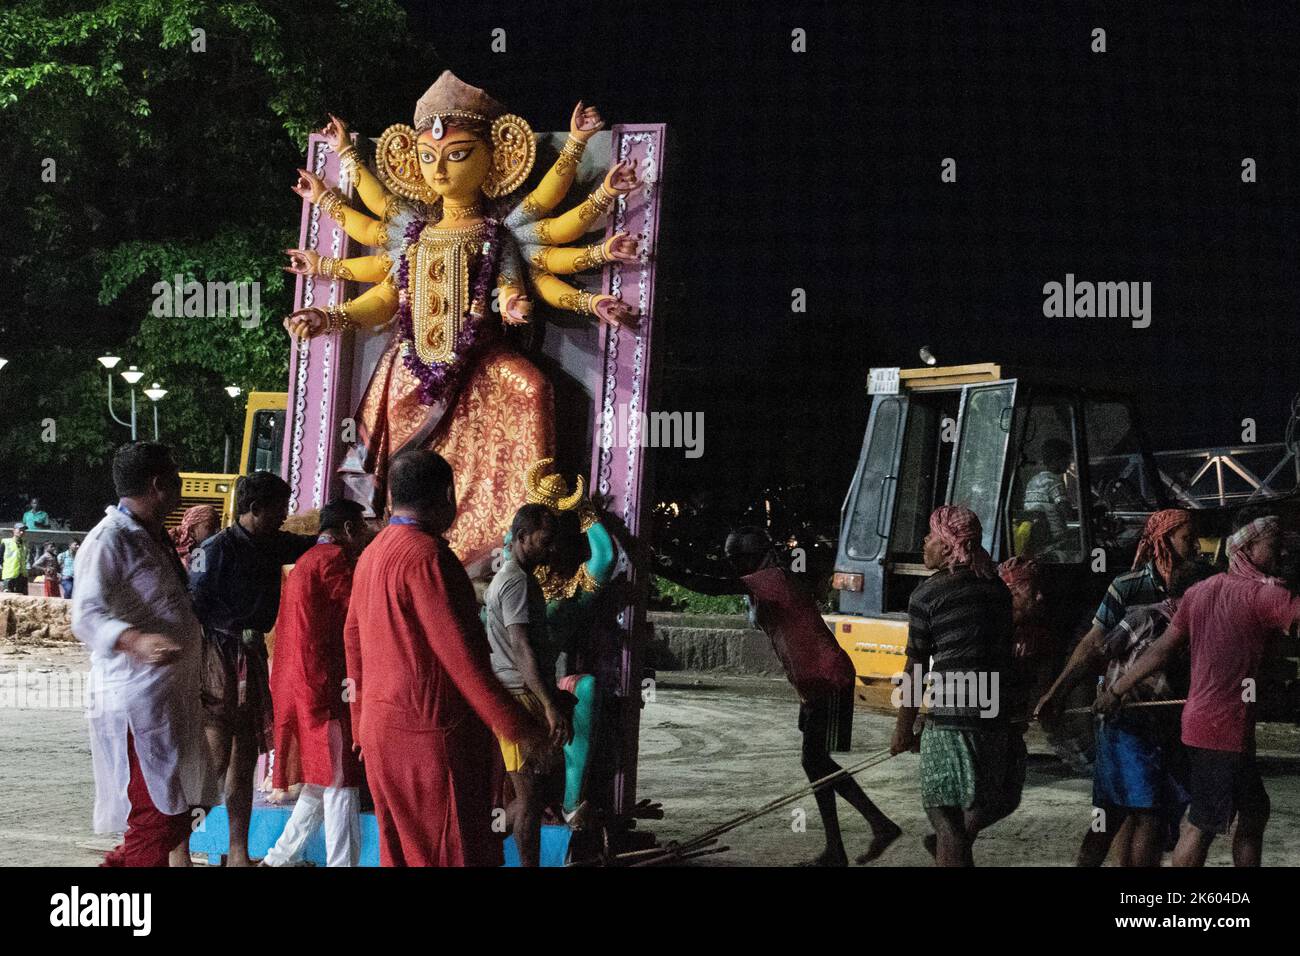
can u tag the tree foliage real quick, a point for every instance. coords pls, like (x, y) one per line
(145, 139)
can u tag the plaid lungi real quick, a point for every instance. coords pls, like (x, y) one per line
(972, 768)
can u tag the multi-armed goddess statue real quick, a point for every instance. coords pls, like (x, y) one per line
(456, 257)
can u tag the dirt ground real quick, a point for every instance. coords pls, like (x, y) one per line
(712, 747)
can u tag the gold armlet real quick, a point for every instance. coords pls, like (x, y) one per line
(597, 204)
(587, 516)
(532, 209)
(538, 259)
(391, 205)
(591, 257)
(338, 320)
(333, 205)
(335, 269)
(579, 302)
(350, 161)
(570, 155)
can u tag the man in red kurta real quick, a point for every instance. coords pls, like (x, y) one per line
(425, 703)
(307, 692)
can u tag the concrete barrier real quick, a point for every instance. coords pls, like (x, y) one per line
(710, 643)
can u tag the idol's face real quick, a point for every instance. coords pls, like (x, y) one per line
(456, 166)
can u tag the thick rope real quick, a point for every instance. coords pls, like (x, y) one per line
(676, 850)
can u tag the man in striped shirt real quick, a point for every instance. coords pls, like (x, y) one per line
(960, 646)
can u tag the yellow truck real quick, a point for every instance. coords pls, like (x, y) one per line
(982, 435)
(261, 450)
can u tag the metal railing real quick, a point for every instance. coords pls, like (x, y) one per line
(1227, 476)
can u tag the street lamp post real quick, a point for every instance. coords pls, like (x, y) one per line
(233, 391)
(155, 395)
(131, 375)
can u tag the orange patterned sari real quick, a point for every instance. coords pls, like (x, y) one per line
(502, 422)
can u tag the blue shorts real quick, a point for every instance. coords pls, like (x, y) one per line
(1133, 770)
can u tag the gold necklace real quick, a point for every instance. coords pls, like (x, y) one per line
(459, 212)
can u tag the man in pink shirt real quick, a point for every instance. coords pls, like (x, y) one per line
(1229, 621)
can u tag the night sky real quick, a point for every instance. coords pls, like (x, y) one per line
(822, 171)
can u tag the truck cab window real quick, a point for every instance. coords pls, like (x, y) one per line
(1043, 507)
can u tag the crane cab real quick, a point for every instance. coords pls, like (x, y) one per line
(1054, 470)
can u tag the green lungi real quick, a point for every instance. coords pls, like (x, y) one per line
(972, 768)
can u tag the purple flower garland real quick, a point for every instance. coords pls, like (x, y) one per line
(439, 379)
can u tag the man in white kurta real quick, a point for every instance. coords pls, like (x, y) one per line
(132, 610)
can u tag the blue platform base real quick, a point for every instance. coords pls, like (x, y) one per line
(269, 820)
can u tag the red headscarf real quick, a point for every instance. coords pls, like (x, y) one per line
(1032, 637)
(1155, 545)
(958, 528)
(183, 534)
(1018, 570)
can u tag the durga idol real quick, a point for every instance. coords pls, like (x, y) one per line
(447, 236)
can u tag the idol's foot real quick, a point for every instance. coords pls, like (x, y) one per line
(828, 857)
(881, 842)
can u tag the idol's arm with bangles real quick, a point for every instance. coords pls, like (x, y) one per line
(567, 260)
(372, 192)
(359, 269)
(372, 308)
(576, 222)
(560, 295)
(362, 228)
(557, 181)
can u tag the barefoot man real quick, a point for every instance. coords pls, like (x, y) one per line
(235, 583)
(819, 670)
(960, 643)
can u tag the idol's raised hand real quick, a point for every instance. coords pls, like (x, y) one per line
(585, 122)
(621, 178)
(613, 310)
(620, 247)
(302, 262)
(516, 310)
(309, 187)
(336, 131)
(305, 323)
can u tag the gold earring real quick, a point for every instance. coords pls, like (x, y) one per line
(514, 150)
(397, 162)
